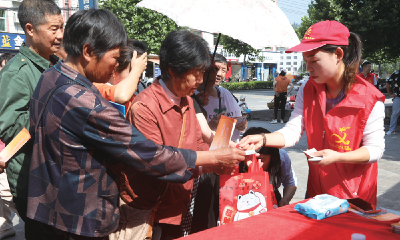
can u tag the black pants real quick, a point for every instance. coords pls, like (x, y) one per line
(206, 207)
(52, 233)
(31, 226)
(163, 231)
(281, 98)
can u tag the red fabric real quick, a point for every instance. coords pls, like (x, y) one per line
(108, 92)
(369, 78)
(160, 120)
(341, 129)
(322, 33)
(285, 223)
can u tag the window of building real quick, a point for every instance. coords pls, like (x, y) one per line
(281, 49)
(294, 57)
(289, 69)
(294, 63)
(281, 57)
(281, 63)
(288, 63)
(280, 69)
(3, 20)
(295, 69)
(288, 57)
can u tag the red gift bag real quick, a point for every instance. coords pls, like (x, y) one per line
(292, 98)
(243, 195)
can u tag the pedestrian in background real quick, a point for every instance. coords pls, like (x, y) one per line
(366, 73)
(394, 81)
(280, 86)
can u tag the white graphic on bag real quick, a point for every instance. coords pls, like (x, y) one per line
(249, 205)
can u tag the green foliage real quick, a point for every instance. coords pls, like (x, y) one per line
(376, 22)
(247, 85)
(238, 48)
(142, 24)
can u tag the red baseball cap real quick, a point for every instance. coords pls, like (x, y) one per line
(322, 33)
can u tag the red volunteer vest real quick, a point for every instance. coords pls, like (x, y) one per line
(369, 78)
(341, 129)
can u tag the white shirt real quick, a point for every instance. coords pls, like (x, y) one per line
(176, 100)
(373, 137)
(228, 105)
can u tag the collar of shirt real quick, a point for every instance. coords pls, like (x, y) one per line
(165, 102)
(34, 57)
(171, 95)
(74, 75)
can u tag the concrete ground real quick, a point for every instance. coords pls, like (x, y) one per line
(388, 176)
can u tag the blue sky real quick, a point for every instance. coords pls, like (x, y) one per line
(294, 9)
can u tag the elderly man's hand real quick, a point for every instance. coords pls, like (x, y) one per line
(3, 165)
(241, 126)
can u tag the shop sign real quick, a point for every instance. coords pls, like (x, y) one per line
(86, 4)
(11, 41)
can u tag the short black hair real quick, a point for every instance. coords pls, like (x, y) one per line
(274, 168)
(98, 27)
(6, 57)
(126, 53)
(221, 59)
(283, 73)
(182, 51)
(35, 11)
(365, 64)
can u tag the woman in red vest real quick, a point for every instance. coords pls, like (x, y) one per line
(343, 115)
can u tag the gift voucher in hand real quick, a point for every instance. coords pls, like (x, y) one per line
(15, 145)
(223, 135)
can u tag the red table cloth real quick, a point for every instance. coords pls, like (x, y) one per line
(287, 223)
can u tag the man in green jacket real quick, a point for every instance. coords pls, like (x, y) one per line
(43, 25)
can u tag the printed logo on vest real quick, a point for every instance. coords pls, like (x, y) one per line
(340, 140)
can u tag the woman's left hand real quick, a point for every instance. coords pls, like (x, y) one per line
(328, 157)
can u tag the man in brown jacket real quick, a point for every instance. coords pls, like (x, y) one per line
(280, 85)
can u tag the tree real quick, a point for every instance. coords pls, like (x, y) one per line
(142, 24)
(376, 22)
(238, 48)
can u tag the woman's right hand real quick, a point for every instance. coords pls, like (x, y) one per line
(251, 142)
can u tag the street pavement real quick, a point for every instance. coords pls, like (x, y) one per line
(388, 173)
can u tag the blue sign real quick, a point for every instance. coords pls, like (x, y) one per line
(11, 41)
(86, 4)
(157, 71)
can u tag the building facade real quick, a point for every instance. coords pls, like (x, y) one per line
(274, 60)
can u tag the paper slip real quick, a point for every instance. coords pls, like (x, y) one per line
(396, 228)
(223, 135)
(386, 217)
(312, 158)
(13, 147)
